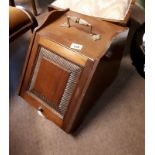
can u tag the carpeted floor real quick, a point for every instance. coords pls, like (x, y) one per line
(114, 126)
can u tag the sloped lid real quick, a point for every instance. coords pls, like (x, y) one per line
(111, 10)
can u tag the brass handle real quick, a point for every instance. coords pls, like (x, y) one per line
(40, 112)
(81, 21)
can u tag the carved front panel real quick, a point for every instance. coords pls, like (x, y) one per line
(54, 80)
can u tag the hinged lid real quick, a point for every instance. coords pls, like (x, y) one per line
(82, 34)
(117, 11)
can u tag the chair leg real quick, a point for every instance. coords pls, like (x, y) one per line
(12, 2)
(34, 7)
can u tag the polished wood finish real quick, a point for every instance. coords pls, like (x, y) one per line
(103, 75)
(20, 21)
(54, 77)
(63, 51)
(65, 82)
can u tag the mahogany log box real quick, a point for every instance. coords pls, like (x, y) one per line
(71, 60)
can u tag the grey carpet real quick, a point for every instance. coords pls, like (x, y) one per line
(114, 126)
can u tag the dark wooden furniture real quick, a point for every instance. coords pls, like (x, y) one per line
(34, 7)
(20, 21)
(66, 70)
(12, 3)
